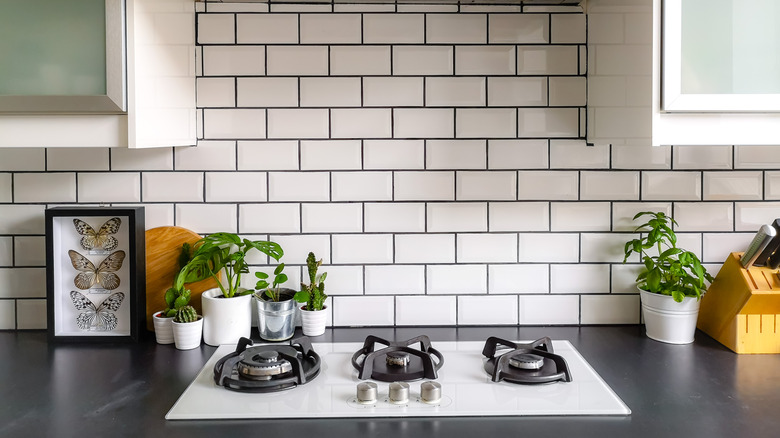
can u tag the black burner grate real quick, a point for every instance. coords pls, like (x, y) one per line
(406, 362)
(504, 366)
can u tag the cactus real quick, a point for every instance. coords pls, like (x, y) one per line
(313, 294)
(186, 314)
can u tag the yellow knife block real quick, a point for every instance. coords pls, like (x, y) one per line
(741, 308)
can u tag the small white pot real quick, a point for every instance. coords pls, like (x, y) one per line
(225, 320)
(313, 321)
(667, 320)
(163, 330)
(187, 334)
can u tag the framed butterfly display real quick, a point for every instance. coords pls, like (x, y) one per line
(95, 266)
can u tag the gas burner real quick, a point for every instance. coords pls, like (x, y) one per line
(398, 361)
(267, 368)
(525, 363)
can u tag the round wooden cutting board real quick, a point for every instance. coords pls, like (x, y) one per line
(163, 247)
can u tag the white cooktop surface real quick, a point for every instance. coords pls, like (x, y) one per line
(466, 391)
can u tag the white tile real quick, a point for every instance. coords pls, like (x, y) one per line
(548, 122)
(266, 28)
(752, 157)
(704, 216)
(493, 310)
(298, 123)
(27, 251)
(543, 185)
(641, 157)
(268, 155)
(207, 218)
(45, 187)
(673, 186)
(330, 28)
(422, 60)
(107, 187)
(297, 247)
(7, 314)
(22, 159)
(267, 92)
(519, 278)
(392, 91)
(362, 248)
(142, 159)
(77, 159)
(30, 314)
(361, 123)
(395, 217)
(7, 251)
(362, 186)
(603, 247)
(549, 309)
(457, 217)
(22, 282)
(623, 59)
(234, 60)
(607, 90)
(486, 185)
(568, 91)
(547, 60)
(485, 60)
(424, 186)
(751, 215)
(424, 248)
(518, 154)
(610, 309)
(216, 28)
(416, 7)
(518, 28)
(301, 7)
(455, 91)
(624, 212)
(207, 155)
(359, 60)
(234, 123)
(579, 278)
(308, 186)
(297, 60)
(393, 28)
(716, 247)
(422, 311)
(172, 186)
(158, 215)
(611, 185)
(332, 218)
(269, 218)
(606, 28)
(518, 216)
(330, 154)
(486, 122)
(702, 157)
(486, 248)
(5, 187)
(456, 279)
(330, 92)
(236, 187)
(580, 216)
(395, 280)
(623, 122)
(456, 28)
(624, 277)
(745, 185)
(363, 311)
(568, 28)
(548, 247)
(772, 185)
(517, 91)
(455, 154)
(344, 280)
(393, 154)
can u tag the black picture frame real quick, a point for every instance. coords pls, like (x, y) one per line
(95, 274)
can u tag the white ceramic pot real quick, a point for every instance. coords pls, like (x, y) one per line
(163, 330)
(187, 334)
(313, 321)
(225, 320)
(667, 320)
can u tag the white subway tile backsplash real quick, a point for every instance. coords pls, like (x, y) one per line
(548, 247)
(457, 217)
(424, 186)
(422, 60)
(330, 28)
(716, 247)
(518, 216)
(485, 122)
(486, 248)
(519, 279)
(330, 154)
(269, 218)
(172, 186)
(6, 194)
(44, 187)
(455, 91)
(208, 155)
(754, 157)
(641, 157)
(77, 159)
(361, 123)
(298, 123)
(141, 159)
(297, 60)
(568, 91)
(485, 60)
(424, 248)
(610, 309)
(392, 91)
(544, 185)
(343, 280)
(266, 28)
(7, 251)
(22, 159)
(393, 28)
(31, 314)
(623, 59)
(455, 154)
(517, 91)
(745, 185)
(549, 309)
(216, 29)
(518, 154)
(548, 122)
(672, 186)
(579, 216)
(579, 278)
(518, 28)
(332, 218)
(268, 155)
(423, 122)
(772, 185)
(456, 279)
(702, 157)
(362, 248)
(395, 280)
(612, 185)
(491, 186)
(7, 314)
(268, 92)
(207, 218)
(624, 212)
(105, 187)
(236, 187)
(158, 215)
(704, 216)
(568, 28)
(363, 311)
(359, 60)
(425, 310)
(304, 186)
(547, 60)
(22, 282)
(749, 216)
(329, 92)
(603, 247)
(234, 123)
(234, 60)
(624, 277)
(606, 28)
(393, 154)
(456, 28)
(394, 217)
(487, 310)
(297, 247)
(362, 186)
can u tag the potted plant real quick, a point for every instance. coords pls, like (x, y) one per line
(175, 297)
(227, 310)
(187, 328)
(313, 315)
(670, 284)
(275, 306)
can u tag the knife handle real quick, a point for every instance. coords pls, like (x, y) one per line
(762, 238)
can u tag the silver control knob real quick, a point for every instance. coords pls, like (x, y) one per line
(430, 392)
(366, 392)
(399, 393)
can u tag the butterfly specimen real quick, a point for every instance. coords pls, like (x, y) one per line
(100, 239)
(102, 276)
(100, 318)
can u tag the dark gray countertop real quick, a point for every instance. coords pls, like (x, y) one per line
(697, 390)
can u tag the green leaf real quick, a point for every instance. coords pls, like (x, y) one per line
(279, 269)
(261, 274)
(170, 297)
(281, 278)
(301, 296)
(654, 280)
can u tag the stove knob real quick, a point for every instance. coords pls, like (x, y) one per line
(399, 393)
(430, 392)
(366, 392)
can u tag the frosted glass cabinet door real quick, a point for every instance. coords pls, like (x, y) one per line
(62, 56)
